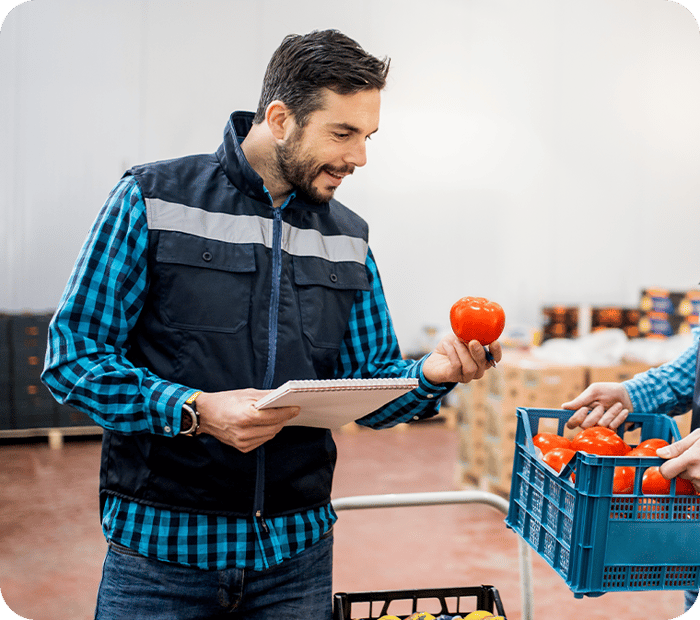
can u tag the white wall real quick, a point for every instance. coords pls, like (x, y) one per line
(531, 151)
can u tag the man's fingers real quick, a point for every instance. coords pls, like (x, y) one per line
(594, 416)
(477, 353)
(670, 469)
(614, 416)
(619, 419)
(577, 418)
(496, 351)
(272, 415)
(584, 399)
(679, 447)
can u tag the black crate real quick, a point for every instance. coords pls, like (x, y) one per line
(69, 417)
(5, 395)
(32, 405)
(5, 373)
(28, 336)
(436, 601)
(5, 404)
(34, 410)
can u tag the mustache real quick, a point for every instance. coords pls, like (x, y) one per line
(349, 169)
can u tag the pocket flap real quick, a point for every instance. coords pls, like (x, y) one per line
(311, 271)
(183, 249)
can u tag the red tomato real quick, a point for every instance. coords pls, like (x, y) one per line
(477, 318)
(597, 441)
(640, 450)
(684, 487)
(600, 430)
(623, 480)
(655, 444)
(556, 458)
(547, 441)
(653, 483)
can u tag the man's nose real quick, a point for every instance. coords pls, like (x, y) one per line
(357, 155)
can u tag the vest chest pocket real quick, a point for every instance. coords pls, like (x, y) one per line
(203, 284)
(326, 296)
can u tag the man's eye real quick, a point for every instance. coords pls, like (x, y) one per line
(340, 136)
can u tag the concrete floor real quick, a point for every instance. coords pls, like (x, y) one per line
(51, 544)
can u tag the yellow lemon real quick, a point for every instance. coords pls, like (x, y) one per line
(389, 618)
(421, 615)
(479, 614)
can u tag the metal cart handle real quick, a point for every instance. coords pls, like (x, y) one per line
(395, 500)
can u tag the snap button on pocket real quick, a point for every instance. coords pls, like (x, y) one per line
(334, 278)
(207, 256)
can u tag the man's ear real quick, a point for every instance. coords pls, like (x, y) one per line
(279, 119)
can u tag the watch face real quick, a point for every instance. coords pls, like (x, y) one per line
(188, 425)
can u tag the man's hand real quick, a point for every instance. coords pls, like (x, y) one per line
(452, 361)
(683, 459)
(602, 404)
(232, 418)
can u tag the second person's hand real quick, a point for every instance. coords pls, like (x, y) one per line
(601, 404)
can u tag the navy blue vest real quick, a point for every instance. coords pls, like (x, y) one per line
(240, 295)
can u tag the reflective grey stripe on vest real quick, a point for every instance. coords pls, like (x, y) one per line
(230, 228)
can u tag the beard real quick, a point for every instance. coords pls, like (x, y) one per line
(300, 171)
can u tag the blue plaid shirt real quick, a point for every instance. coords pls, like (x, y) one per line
(85, 367)
(669, 388)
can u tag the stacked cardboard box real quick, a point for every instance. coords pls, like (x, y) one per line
(471, 421)
(488, 419)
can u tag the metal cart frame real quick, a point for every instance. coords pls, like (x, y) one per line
(360, 502)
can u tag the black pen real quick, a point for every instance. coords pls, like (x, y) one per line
(489, 357)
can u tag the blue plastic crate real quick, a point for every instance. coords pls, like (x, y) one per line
(598, 541)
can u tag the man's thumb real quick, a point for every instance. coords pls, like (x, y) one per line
(679, 447)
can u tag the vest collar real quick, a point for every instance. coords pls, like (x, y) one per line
(241, 173)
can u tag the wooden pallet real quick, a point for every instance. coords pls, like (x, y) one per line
(54, 435)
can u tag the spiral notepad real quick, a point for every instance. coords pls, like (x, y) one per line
(334, 402)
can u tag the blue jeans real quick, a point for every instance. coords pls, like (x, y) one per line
(137, 588)
(690, 596)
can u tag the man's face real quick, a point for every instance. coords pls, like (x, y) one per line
(318, 156)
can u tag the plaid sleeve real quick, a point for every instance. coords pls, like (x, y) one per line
(85, 364)
(668, 388)
(370, 349)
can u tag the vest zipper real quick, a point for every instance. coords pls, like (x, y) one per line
(273, 320)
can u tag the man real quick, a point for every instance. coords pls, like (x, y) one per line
(205, 282)
(672, 388)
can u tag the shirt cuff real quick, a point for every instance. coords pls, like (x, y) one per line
(639, 396)
(427, 390)
(166, 408)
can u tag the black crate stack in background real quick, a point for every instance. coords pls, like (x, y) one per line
(32, 404)
(660, 314)
(25, 402)
(5, 382)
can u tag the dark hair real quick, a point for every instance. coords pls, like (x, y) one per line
(303, 65)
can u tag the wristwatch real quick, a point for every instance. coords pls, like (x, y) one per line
(190, 418)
